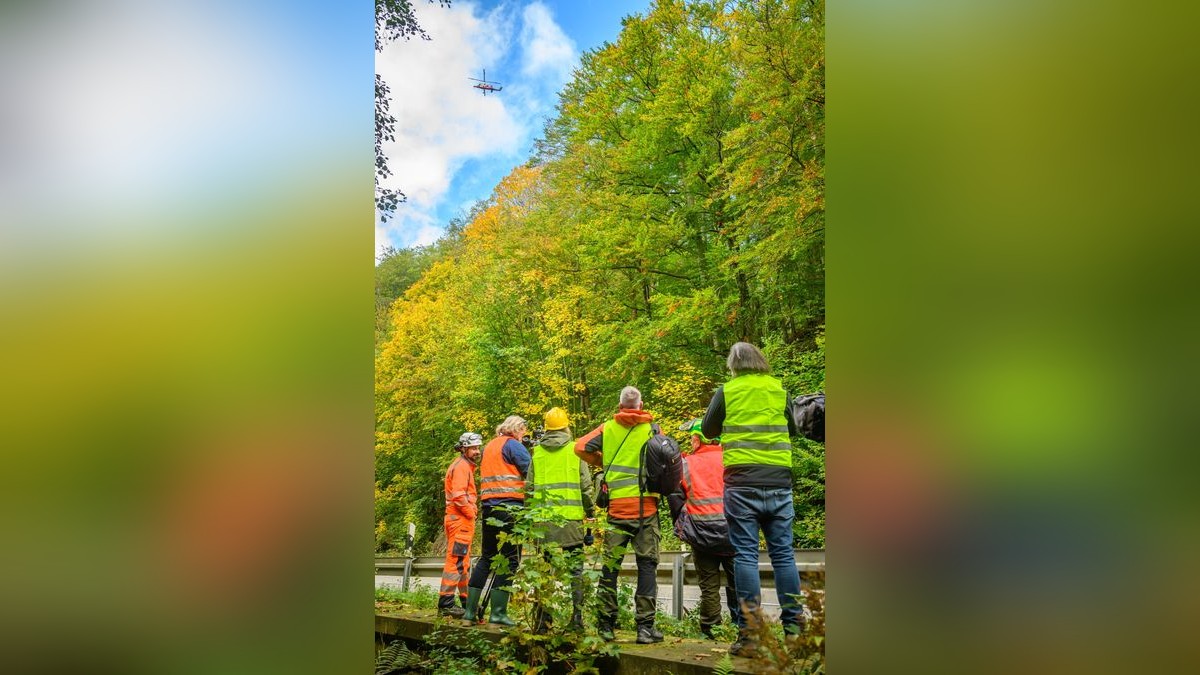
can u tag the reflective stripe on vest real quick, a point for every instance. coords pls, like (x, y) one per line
(755, 429)
(460, 480)
(497, 478)
(704, 481)
(626, 466)
(556, 481)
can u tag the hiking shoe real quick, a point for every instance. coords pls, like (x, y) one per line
(606, 632)
(707, 630)
(456, 612)
(744, 646)
(648, 634)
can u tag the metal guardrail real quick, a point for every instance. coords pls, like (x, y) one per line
(806, 559)
(672, 565)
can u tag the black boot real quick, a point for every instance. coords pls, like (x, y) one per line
(448, 606)
(648, 634)
(707, 630)
(605, 630)
(744, 646)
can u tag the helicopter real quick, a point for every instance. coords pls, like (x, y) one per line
(484, 85)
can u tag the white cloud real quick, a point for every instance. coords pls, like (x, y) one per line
(546, 48)
(441, 121)
(136, 115)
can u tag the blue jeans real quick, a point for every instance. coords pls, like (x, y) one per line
(746, 510)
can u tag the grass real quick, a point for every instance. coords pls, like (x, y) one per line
(422, 596)
(419, 596)
(689, 626)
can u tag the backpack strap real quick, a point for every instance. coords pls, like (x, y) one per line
(614, 456)
(654, 431)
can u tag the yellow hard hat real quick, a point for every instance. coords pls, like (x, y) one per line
(556, 418)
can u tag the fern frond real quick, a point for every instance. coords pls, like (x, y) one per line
(396, 656)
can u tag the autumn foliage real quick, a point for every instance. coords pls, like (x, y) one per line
(674, 206)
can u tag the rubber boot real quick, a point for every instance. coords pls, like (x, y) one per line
(499, 613)
(472, 603)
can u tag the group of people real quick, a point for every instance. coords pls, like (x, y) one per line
(735, 482)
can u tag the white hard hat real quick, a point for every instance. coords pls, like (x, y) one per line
(469, 439)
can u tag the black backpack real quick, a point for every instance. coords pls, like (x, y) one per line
(808, 412)
(662, 464)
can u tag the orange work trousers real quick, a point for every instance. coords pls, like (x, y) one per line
(457, 570)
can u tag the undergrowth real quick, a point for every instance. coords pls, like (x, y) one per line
(544, 639)
(418, 596)
(800, 654)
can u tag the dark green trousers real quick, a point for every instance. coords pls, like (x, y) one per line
(644, 537)
(708, 568)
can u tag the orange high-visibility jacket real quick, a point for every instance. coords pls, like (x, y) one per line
(703, 522)
(497, 478)
(460, 489)
(704, 483)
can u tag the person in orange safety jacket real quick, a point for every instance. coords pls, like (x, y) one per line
(460, 524)
(502, 494)
(616, 447)
(698, 511)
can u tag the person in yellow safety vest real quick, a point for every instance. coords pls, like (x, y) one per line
(561, 482)
(750, 414)
(460, 524)
(616, 446)
(698, 510)
(501, 492)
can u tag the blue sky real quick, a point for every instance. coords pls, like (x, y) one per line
(453, 144)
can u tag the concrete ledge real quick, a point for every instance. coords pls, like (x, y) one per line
(681, 656)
